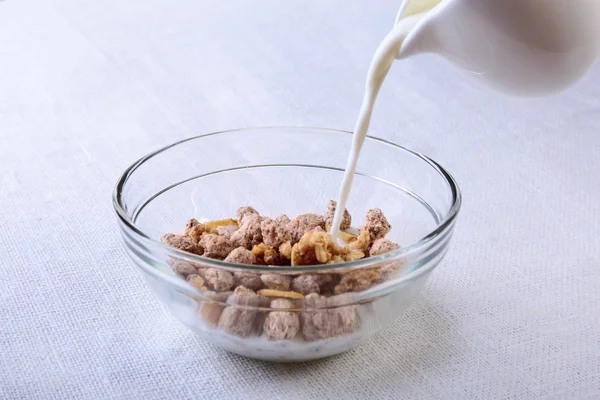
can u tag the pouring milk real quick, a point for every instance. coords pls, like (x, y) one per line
(519, 47)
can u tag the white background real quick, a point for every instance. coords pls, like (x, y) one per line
(87, 87)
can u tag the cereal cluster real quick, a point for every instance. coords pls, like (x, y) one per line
(283, 306)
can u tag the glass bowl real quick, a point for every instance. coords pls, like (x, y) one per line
(286, 170)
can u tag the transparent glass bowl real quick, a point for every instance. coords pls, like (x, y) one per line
(286, 170)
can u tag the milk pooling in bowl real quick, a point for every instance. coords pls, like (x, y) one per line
(380, 66)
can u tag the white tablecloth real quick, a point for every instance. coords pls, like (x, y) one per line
(87, 87)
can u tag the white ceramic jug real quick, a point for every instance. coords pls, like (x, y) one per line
(521, 47)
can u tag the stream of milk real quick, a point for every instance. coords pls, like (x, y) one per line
(380, 65)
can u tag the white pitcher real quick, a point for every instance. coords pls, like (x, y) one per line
(521, 47)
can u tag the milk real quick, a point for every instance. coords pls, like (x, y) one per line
(380, 65)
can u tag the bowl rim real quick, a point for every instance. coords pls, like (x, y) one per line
(443, 225)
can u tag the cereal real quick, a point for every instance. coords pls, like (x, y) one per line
(286, 250)
(240, 291)
(357, 280)
(237, 302)
(183, 268)
(211, 313)
(346, 219)
(249, 280)
(191, 223)
(382, 246)
(212, 226)
(226, 230)
(196, 281)
(318, 323)
(248, 233)
(354, 255)
(194, 229)
(279, 293)
(283, 219)
(391, 269)
(218, 279)
(201, 270)
(305, 223)
(281, 325)
(303, 253)
(315, 248)
(361, 243)
(264, 254)
(275, 231)
(242, 212)
(215, 246)
(277, 281)
(328, 288)
(241, 255)
(181, 242)
(376, 225)
(243, 321)
(310, 283)
(346, 317)
(238, 322)
(210, 310)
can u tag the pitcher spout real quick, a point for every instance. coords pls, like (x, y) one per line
(451, 29)
(421, 36)
(416, 21)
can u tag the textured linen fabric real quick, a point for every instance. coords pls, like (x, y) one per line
(87, 87)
